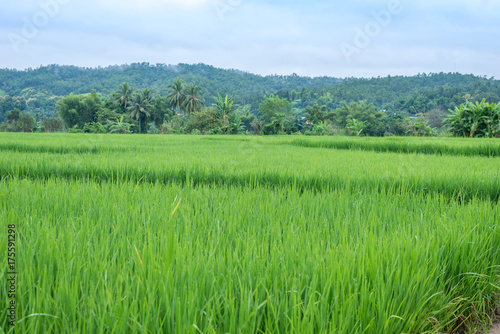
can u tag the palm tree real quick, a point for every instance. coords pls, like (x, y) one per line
(176, 95)
(147, 95)
(140, 105)
(194, 100)
(123, 95)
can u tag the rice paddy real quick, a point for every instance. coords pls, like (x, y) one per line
(200, 234)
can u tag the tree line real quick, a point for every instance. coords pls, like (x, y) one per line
(183, 110)
(38, 90)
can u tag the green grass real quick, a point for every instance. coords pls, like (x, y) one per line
(188, 234)
(222, 162)
(436, 146)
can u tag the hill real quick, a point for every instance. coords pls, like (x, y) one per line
(37, 90)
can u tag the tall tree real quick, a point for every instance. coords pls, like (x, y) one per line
(272, 106)
(123, 95)
(194, 100)
(316, 114)
(176, 96)
(140, 106)
(79, 109)
(26, 123)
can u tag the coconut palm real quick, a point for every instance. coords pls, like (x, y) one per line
(175, 96)
(194, 100)
(123, 95)
(146, 93)
(140, 106)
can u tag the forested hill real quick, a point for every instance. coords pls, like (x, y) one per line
(38, 90)
(63, 80)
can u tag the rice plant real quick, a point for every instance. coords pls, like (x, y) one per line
(190, 234)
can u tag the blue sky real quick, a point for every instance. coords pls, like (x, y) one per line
(366, 38)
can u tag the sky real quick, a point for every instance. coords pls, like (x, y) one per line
(364, 38)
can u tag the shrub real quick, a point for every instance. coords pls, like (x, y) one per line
(174, 126)
(475, 120)
(419, 126)
(269, 129)
(53, 125)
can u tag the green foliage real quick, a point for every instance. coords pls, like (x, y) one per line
(176, 125)
(257, 126)
(356, 126)
(419, 126)
(153, 129)
(328, 128)
(119, 126)
(203, 121)
(362, 112)
(38, 91)
(271, 107)
(75, 129)
(481, 119)
(234, 125)
(94, 127)
(13, 116)
(316, 114)
(436, 117)
(15, 121)
(26, 123)
(79, 109)
(160, 110)
(246, 116)
(9, 103)
(193, 99)
(176, 95)
(225, 111)
(53, 125)
(140, 107)
(395, 123)
(123, 95)
(269, 129)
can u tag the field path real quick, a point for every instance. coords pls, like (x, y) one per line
(495, 329)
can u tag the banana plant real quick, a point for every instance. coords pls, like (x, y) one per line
(480, 119)
(356, 126)
(119, 126)
(223, 108)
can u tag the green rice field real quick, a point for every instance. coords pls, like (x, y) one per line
(244, 234)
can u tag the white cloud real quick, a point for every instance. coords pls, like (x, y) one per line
(261, 37)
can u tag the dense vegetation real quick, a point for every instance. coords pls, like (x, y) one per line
(267, 105)
(37, 90)
(204, 234)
